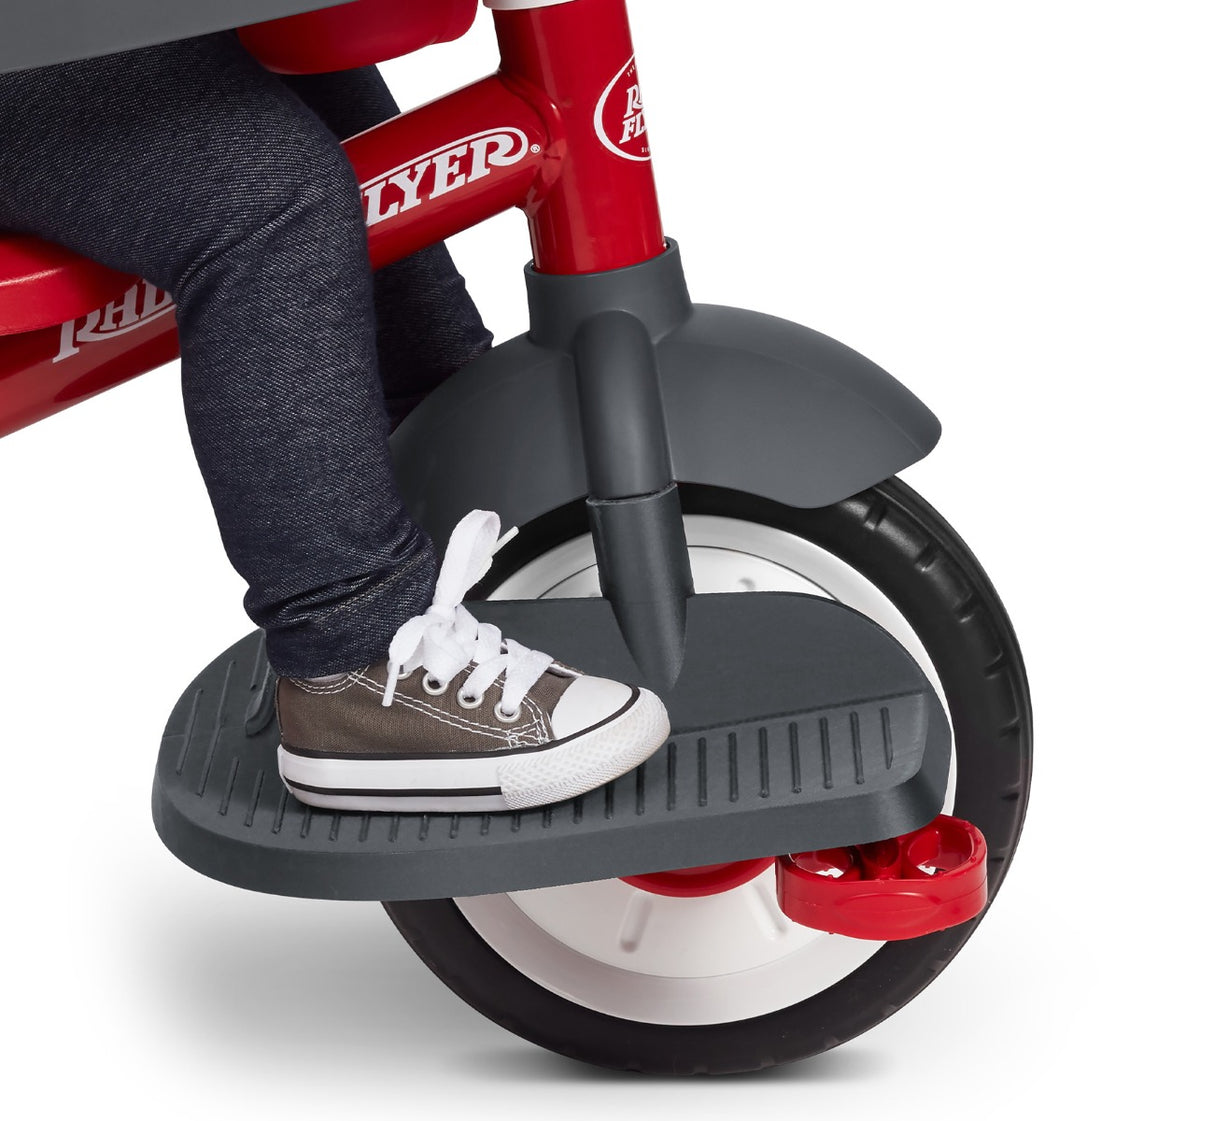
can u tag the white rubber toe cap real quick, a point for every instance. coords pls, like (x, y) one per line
(588, 701)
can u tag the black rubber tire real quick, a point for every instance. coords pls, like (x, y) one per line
(902, 545)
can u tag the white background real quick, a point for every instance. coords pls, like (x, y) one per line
(1007, 205)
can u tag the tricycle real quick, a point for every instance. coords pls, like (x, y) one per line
(718, 517)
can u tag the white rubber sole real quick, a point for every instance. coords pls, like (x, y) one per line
(504, 780)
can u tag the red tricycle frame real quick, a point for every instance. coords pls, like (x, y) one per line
(559, 131)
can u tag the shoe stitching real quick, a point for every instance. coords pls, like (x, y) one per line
(534, 709)
(532, 734)
(326, 690)
(426, 709)
(531, 728)
(537, 724)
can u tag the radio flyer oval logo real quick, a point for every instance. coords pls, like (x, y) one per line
(619, 118)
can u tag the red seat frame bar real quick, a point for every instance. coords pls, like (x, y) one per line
(558, 131)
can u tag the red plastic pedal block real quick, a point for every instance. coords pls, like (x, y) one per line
(905, 887)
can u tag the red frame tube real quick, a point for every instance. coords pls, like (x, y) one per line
(468, 156)
(558, 131)
(601, 211)
(44, 372)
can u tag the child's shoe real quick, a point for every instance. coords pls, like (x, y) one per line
(458, 719)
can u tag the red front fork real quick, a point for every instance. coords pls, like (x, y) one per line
(601, 211)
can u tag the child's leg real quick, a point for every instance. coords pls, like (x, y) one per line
(191, 165)
(428, 326)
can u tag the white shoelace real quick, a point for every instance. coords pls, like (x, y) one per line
(446, 639)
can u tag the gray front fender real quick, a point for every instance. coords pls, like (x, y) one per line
(752, 403)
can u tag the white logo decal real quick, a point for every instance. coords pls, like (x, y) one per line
(140, 305)
(619, 117)
(442, 171)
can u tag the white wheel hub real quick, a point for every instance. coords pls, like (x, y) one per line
(627, 952)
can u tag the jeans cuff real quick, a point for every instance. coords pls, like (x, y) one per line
(357, 632)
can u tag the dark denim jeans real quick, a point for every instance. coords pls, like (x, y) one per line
(194, 167)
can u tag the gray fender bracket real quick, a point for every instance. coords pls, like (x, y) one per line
(751, 402)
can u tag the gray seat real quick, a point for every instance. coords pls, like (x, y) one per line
(39, 32)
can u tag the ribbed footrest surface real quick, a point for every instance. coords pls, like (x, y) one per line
(797, 724)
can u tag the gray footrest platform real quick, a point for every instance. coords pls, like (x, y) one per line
(797, 724)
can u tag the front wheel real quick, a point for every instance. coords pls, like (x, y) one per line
(619, 977)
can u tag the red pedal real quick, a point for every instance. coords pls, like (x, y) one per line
(906, 887)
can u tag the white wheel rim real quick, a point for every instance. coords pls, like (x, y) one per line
(626, 952)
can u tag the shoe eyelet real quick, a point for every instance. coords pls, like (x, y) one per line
(470, 702)
(433, 686)
(506, 717)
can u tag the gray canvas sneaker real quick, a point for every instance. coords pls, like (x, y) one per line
(457, 719)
